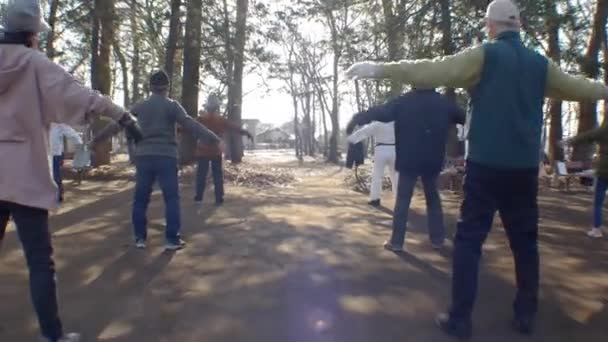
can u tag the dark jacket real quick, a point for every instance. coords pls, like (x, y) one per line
(507, 106)
(422, 120)
(355, 155)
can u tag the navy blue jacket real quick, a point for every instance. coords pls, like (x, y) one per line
(422, 120)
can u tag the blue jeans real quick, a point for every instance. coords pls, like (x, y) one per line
(218, 178)
(33, 229)
(57, 163)
(149, 169)
(433, 208)
(514, 194)
(601, 185)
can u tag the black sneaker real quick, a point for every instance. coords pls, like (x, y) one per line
(523, 325)
(374, 203)
(219, 202)
(453, 328)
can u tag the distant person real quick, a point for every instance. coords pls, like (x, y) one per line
(156, 158)
(34, 92)
(421, 120)
(211, 154)
(60, 132)
(508, 84)
(599, 136)
(384, 156)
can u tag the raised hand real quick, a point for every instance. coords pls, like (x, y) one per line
(363, 70)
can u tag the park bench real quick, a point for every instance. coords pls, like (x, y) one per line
(565, 172)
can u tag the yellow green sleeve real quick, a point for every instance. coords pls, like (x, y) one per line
(563, 86)
(462, 70)
(591, 136)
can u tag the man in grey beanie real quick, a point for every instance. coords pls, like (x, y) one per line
(156, 158)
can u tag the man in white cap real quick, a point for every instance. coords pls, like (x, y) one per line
(508, 84)
(384, 155)
(35, 92)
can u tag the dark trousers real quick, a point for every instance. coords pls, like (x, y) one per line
(514, 194)
(407, 182)
(601, 185)
(150, 169)
(57, 164)
(218, 177)
(33, 229)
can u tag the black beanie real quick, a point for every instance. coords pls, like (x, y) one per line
(159, 80)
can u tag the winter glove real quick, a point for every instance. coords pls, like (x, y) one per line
(363, 70)
(131, 127)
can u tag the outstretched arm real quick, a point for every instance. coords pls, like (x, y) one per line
(563, 86)
(462, 70)
(72, 135)
(363, 133)
(384, 113)
(199, 131)
(590, 136)
(238, 129)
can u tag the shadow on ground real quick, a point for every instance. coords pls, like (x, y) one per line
(298, 265)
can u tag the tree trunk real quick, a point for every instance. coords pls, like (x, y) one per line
(136, 94)
(555, 106)
(105, 18)
(174, 33)
(454, 147)
(191, 76)
(394, 25)
(590, 67)
(125, 73)
(324, 121)
(335, 108)
(50, 40)
(235, 93)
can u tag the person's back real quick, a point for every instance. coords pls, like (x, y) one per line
(422, 125)
(157, 118)
(216, 124)
(505, 126)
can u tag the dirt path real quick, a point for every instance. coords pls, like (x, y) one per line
(297, 264)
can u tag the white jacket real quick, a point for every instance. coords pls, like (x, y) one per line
(384, 133)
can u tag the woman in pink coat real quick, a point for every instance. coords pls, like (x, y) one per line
(34, 92)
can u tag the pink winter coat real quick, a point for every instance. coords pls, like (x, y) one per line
(34, 92)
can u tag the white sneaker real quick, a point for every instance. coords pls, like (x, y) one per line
(595, 233)
(72, 337)
(140, 244)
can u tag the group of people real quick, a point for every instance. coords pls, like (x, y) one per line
(507, 81)
(508, 84)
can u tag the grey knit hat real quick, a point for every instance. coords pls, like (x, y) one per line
(24, 16)
(213, 103)
(159, 80)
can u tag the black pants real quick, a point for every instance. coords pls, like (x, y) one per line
(514, 194)
(434, 211)
(57, 177)
(33, 229)
(218, 178)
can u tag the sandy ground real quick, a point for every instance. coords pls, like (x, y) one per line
(294, 264)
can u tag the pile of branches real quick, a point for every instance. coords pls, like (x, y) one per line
(361, 180)
(249, 175)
